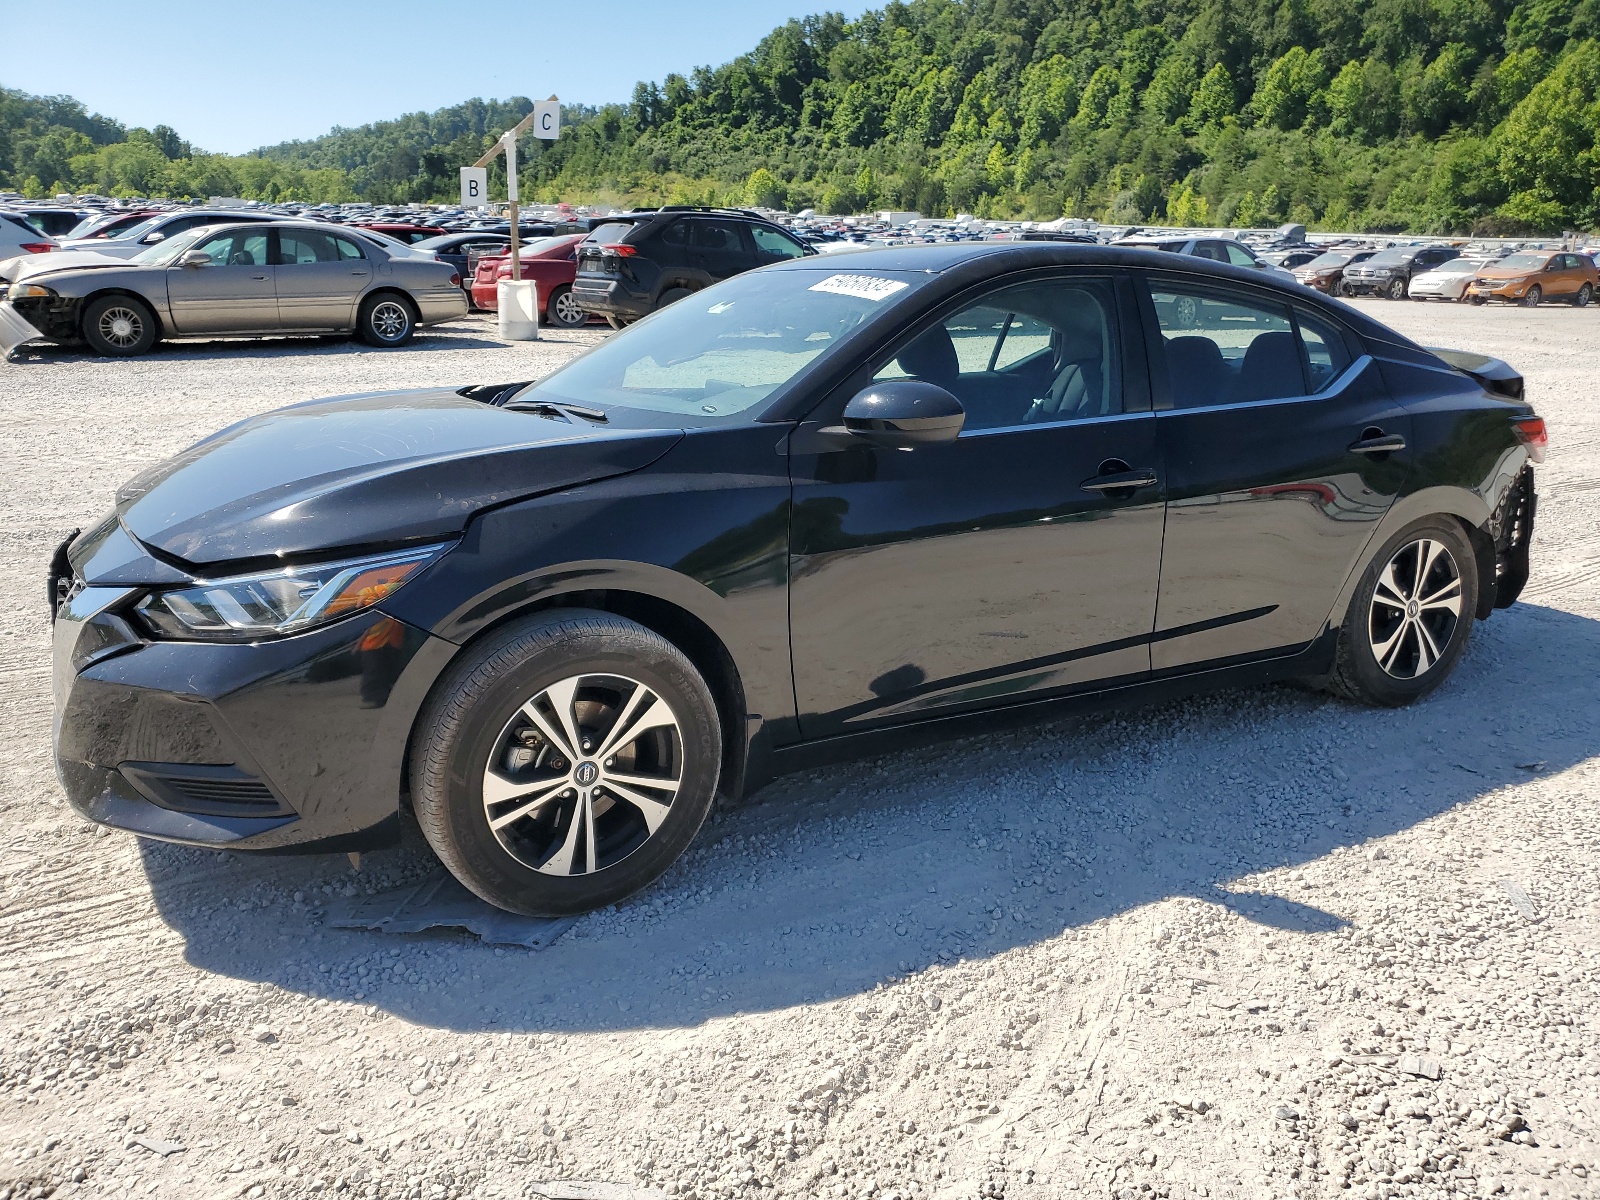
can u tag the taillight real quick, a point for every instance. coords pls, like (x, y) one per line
(38, 247)
(455, 279)
(620, 249)
(1531, 433)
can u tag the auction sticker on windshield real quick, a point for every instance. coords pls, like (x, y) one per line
(867, 287)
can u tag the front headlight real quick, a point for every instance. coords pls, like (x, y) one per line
(30, 291)
(245, 608)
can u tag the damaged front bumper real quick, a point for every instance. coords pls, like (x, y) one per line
(16, 330)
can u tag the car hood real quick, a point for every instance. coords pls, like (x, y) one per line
(1507, 272)
(30, 266)
(370, 470)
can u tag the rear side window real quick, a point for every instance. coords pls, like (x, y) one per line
(1227, 348)
(301, 246)
(347, 248)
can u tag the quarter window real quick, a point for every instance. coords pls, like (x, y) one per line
(1041, 352)
(1326, 356)
(347, 248)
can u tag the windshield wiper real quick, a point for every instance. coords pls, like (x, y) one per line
(567, 412)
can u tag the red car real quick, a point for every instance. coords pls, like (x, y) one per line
(553, 262)
(403, 232)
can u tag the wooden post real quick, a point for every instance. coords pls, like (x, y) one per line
(509, 140)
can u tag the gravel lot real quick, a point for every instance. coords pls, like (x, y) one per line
(1260, 944)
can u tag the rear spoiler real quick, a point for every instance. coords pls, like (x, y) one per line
(1492, 374)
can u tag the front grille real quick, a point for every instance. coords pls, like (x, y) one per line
(205, 790)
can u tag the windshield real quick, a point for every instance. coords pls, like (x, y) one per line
(1524, 262)
(724, 350)
(1323, 261)
(143, 227)
(1386, 258)
(166, 251)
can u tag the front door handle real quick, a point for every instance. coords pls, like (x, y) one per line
(259, 277)
(1137, 477)
(1375, 441)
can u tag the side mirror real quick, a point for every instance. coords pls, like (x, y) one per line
(194, 258)
(150, 239)
(904, 413)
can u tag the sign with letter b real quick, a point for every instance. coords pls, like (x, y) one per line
(474, 187)
(547, 119)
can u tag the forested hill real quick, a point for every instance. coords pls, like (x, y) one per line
(1440, 115)
(1425, 115)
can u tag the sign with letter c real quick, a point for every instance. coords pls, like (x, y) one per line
(547, 120)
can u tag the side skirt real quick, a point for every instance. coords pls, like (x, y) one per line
(765, 764)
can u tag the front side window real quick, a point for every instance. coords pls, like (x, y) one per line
(1029, 353)
(298, 247)
(771, 242)
(1238, 255)
(237, 249)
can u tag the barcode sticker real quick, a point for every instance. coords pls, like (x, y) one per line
(866, 287)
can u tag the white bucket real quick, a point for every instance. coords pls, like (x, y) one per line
(519, 310)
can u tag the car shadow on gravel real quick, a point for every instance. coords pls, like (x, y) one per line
(426, 341)
(836, 880)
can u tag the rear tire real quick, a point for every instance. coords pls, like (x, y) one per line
(671, 296)
(1403, 635)
(1585, 294)
(387, 320)
(535, 827)
(120, 326)
(1535, 294)
(563, 310)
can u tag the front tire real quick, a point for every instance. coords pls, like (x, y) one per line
(566, 762)
(1410, 617)
(1535, 294)
(120, 326)
(387, 320)
(1397, 289)
(563, 310)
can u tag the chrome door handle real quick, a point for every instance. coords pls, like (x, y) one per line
(1139, 477)
(1383, 443)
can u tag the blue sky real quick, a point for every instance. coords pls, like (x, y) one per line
(235, 76)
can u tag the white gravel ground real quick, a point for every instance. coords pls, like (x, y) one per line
(1260, 944)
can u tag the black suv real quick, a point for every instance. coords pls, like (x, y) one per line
(1388, 272)
(631, 265)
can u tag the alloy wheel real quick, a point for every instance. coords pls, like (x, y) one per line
(567, 309)
(1416, 605)
(121, 326)
(583, 774)
(389, 320)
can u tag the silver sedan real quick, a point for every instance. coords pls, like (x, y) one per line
(229, 280)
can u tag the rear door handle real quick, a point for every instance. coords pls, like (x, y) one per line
(1138, 477)
(1383, 443)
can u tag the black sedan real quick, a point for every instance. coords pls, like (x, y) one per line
(815, 510)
